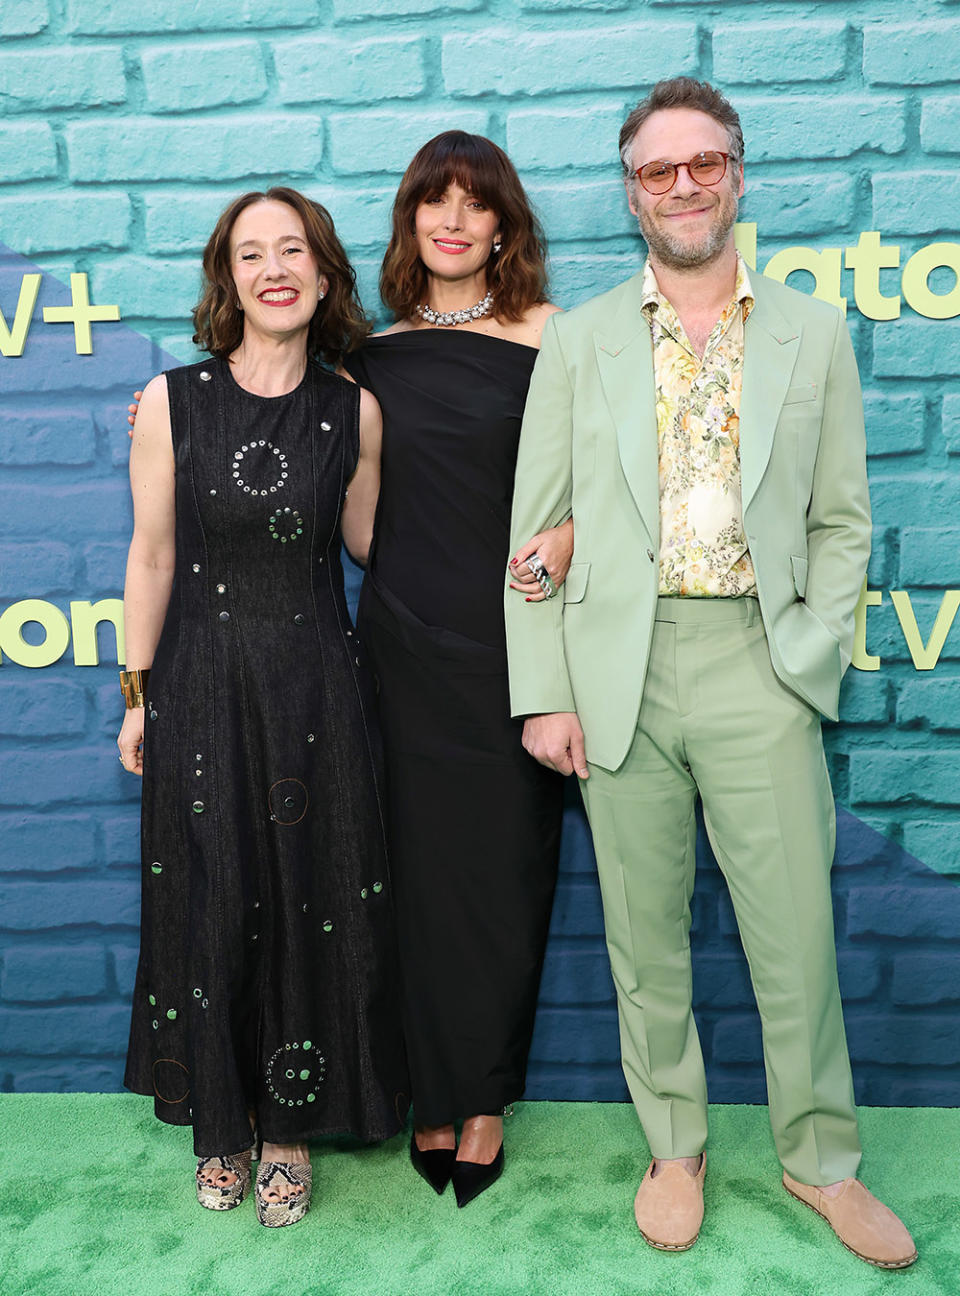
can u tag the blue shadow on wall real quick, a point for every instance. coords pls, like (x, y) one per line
(68, 816)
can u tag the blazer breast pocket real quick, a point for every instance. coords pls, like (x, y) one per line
(803, 392)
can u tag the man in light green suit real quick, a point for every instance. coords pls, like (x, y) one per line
(704, 425)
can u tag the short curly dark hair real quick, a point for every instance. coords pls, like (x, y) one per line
(339, 323)
(683, 92)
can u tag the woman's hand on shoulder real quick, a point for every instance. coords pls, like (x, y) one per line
(554, 548)
(132, 412)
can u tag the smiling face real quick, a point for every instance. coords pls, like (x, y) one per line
(275, 272)
(455, 232)
(691, 225)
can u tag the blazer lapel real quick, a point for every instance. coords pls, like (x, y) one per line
(625, 364)
(770, 349)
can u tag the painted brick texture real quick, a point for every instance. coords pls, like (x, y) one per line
(126, 128)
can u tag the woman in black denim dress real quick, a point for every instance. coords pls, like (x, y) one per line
(266, 988)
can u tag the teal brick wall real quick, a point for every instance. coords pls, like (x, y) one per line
(126, 126)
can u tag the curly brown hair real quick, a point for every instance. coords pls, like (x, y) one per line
(517, 275)
(339, 323)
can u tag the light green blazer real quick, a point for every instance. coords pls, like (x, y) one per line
(589, 444)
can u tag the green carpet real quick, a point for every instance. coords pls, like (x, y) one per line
(97, 1200)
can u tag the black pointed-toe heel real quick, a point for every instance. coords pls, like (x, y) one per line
(435, 1165)
(470, 1178)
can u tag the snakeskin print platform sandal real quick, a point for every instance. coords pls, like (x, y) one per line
(223, 1181)
(283, 1192)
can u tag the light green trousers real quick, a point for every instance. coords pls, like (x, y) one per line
(716, 721)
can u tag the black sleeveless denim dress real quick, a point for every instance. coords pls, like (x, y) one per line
(268, 973)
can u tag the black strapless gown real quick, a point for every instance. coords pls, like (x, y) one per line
(473, 822)
(268, 964)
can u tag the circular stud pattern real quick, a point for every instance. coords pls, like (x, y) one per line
(171, 1014)
(204, 376)
(242, 466)
(196, 567)
(328, 926)
(152, 1000)
(289, 1085)
(285, 525)
(377, 888)
(198, 807)
(156, 867)
(197, 992)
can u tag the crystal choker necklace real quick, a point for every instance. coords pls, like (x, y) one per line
(449, 319)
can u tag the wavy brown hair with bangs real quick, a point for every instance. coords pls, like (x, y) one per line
(339, 323)
(517, 275)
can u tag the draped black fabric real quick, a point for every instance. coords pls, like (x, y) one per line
(267, 973)
(473, 821)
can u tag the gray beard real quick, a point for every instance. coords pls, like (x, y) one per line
(680, 254)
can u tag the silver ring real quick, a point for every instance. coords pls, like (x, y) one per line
(535, 563)
(120, 759)
(546, 584)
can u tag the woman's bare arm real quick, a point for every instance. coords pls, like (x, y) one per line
(150, 561)
(360, 506)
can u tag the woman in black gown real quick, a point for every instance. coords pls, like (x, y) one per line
(473, 821)
(266, 987)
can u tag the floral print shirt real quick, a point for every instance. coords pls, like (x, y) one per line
(703, 549)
